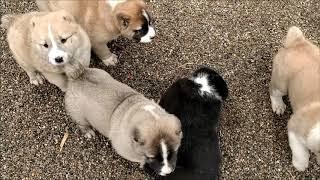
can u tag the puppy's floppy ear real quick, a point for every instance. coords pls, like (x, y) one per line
(68, 18)
(123, 20)
(33, 22)
(137, 137)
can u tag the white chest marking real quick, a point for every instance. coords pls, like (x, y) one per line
(114, 3)
(55, 51)
(165, 169)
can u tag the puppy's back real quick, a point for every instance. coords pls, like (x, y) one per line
(197, 102)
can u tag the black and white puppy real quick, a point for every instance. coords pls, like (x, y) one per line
(197, 102)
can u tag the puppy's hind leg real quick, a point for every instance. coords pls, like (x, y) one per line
(300, 154)
(83, 125)
(87, 131)
(278, 87)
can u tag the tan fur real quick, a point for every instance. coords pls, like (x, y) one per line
(296, 72)
(118, 112)
(28, 32)
(100, 21)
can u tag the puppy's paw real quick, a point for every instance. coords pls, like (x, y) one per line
(37, 79)
(111, 61)
(278, 106)
(90, 134)
(300, 165)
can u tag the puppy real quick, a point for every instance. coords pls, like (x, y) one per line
(105, 20)
(139, 129)
(44, 44)
(197, 102)
(296, 72)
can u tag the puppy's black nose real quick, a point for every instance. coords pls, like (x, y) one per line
(58, 59)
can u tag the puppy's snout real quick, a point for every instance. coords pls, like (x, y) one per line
(59, 59)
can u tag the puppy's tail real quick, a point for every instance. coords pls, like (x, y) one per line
(211, 83)
(294, 35)
(7, 20)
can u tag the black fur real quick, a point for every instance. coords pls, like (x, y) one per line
(199, 154)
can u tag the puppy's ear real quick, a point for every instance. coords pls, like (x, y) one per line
(68, 18)
(123, 20)
(137, 137)
(33, 22)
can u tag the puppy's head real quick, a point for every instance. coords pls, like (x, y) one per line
(157, 137)
(134, 21)
(55, 37)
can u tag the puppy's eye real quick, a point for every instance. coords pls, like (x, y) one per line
(45, 45)
(63, 40)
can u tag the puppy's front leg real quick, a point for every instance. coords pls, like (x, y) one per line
(87, 131)
(35, 77)
(277, 103)
(103, 52)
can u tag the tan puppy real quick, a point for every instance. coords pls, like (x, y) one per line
(105, 20)
(139, 129)
(296, 72)
(44, 44)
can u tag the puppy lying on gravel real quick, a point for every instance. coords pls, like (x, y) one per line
(44, 44)
(197, 103)
(106, 20)
(139, 129)
(296, 72)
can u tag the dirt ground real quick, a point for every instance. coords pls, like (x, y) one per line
(237, 38)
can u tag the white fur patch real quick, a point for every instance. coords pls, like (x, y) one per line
(205, 87)
(55, 51)
(165, 168)
(300, 153)
(151, 32)
(114, 3)
(313, 139)
(150, 109)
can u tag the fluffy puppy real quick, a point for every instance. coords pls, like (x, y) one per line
(105, 20)
(139, 129)
(296, 72)
(197, 102)
(44, 44)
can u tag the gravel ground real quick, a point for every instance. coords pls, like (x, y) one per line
(237, 38)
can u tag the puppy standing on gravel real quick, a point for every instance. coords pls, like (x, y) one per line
(45, 44)
(139, 129)
(197, 103)
(106, 20)
(296, 72)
